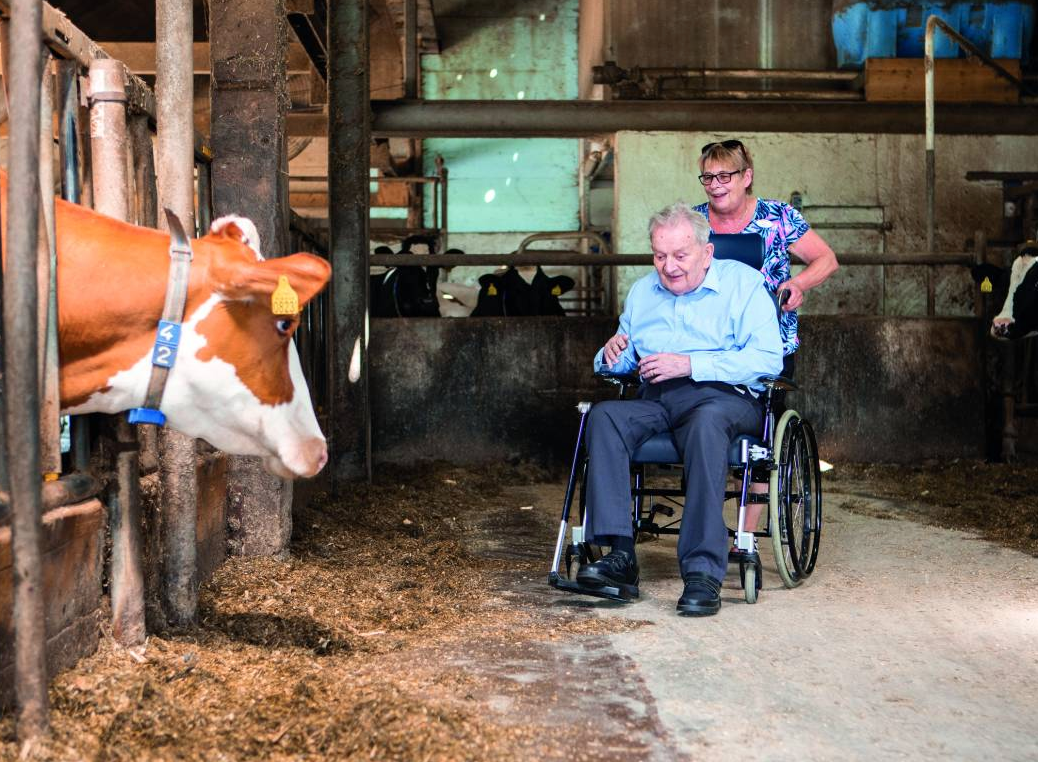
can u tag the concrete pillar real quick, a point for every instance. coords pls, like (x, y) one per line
(349, 136)
(247, 44)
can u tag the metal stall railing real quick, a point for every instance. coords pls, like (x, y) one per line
(90, 172)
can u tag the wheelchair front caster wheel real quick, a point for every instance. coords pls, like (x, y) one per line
(750, 576)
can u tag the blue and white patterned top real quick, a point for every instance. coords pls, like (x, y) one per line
(780, 225)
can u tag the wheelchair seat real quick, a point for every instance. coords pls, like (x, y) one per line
(660, 449)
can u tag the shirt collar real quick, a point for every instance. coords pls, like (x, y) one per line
(712, 281)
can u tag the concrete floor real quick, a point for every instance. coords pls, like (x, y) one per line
(908, 642)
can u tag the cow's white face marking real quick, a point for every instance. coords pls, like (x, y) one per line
(209, 401)
(245, 225)
(1001, 322)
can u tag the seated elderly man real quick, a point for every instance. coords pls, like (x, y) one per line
(699, 332)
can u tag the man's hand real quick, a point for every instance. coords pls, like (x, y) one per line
(796, 295)
(614, 348)
(665, 366)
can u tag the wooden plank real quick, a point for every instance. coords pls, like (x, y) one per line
(956, 80)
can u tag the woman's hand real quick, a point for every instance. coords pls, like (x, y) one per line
(665, 366)
(614, 348)
(796, 295)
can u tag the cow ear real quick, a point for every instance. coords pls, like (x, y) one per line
(307, 275)
(561, 282)
(240, 229)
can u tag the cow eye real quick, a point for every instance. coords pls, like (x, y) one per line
(285, 326)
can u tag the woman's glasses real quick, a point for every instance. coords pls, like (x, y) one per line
(731, 145)
(722, 177)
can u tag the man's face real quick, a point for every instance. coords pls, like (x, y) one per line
(680, 261)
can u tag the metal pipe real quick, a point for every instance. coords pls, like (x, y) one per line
(547, 257)
(465, 118)
(580, 235)
(108, 150)
(69, 140)
(47, 267)
(66, 39)
(174, 87)
(411, 76)
(21, 382)
(205, 197)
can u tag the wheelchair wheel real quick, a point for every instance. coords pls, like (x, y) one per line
(749, 575)
(795, 502)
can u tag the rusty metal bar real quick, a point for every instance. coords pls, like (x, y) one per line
(471, 118)
(572, 258)
(21, 381)
(349, 198)
(46, 268)
(177, 473)
(69, 42)
(71, 488)
(108, 150)
(411, 73)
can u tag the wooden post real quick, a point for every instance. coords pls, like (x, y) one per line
(247, 41)
(21, 377)
(46, 268)
(349, 136)
(108, 149)
(174, 96)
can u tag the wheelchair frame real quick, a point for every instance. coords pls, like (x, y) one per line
(786, 456)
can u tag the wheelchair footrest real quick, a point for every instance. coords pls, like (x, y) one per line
(572, 586)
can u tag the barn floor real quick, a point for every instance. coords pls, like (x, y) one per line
(384, 636)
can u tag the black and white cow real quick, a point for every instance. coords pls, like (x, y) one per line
(1018, 317)
(511, 293)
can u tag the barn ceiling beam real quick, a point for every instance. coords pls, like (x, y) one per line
(574, 119)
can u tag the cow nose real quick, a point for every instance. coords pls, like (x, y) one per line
(314, 453)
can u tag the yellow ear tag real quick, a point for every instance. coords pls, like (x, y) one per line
(284, 300)
(985, 286)
(557, 291)
(491, 291)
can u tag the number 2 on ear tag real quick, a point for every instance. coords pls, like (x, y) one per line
(284, 300)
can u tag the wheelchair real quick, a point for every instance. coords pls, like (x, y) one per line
(784, 456)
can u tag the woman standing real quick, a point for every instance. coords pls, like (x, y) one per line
(726, 172)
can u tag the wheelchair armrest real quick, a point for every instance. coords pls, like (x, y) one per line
(780, 383)
(620, 379)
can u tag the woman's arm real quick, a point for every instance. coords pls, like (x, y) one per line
(821, 262)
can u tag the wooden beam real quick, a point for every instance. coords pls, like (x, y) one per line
(956, 80)
(139, 57)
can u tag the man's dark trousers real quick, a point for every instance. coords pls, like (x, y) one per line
(704, 417)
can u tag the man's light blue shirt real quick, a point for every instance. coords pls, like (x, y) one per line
(728, 326)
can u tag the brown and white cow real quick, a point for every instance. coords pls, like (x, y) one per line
(237, 382)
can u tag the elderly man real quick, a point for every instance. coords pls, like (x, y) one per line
(699, 332)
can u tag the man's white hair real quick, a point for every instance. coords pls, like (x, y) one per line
(681, 211)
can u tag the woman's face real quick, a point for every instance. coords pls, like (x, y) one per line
(731, 196)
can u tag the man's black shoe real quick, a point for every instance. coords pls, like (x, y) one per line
(702, 596)
(618, 568)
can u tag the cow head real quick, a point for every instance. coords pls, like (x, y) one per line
(237, 381)
(1018, 317)
(244, 369)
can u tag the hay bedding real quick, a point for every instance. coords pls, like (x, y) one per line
(335, 653)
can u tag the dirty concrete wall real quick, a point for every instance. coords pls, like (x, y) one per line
(506, 50)
(727, 34)
(73, 546)
(492, 389)
(873, 179)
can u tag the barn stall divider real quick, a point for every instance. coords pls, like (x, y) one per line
(53, 532)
